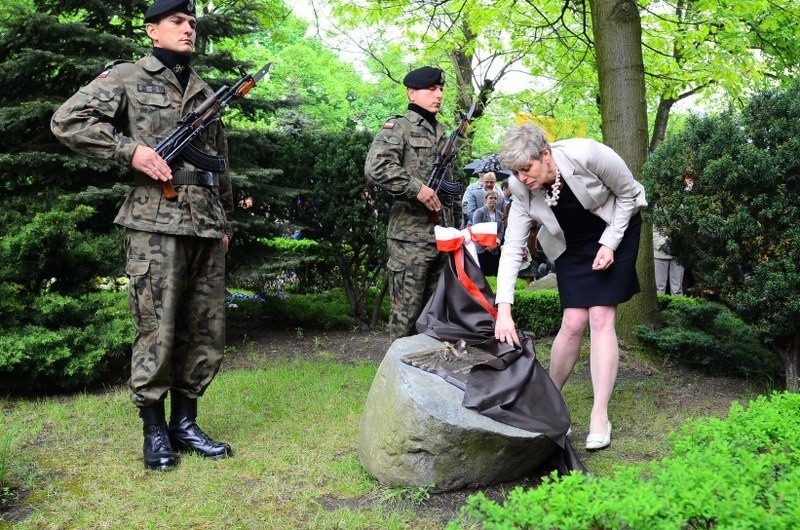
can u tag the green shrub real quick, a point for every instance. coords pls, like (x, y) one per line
(741, 472)
(537, 312)
(708, 335)
(70, 343)
(326, 311)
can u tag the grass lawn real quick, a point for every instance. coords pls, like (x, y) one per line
(294, 426)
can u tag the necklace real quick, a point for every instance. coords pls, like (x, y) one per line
(551, 194)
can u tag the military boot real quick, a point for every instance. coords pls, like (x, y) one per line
(186, 435)
(157, 450)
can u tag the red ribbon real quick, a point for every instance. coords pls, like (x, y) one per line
(455, 246)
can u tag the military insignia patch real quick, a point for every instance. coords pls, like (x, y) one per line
(388, 125)
(151, 89)
(103, 74)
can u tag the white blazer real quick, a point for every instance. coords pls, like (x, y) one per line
(602, 183)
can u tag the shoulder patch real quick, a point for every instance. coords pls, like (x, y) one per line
(388, 125)
(104, 73)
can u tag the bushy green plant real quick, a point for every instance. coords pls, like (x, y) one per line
(708, 335)
(70, 343)
(741, 472)
(537, 312)
(737, 229)
(340, 212)
(326, 311)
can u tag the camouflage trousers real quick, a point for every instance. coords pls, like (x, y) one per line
(176, 294)
(414, 270)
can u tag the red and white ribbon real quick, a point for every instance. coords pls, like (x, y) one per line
(454, 241)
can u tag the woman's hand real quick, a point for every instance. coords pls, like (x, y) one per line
(504, 328)
(604, 259)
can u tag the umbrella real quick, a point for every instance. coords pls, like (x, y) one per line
(486, 164)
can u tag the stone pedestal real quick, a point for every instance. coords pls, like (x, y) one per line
(416, 433)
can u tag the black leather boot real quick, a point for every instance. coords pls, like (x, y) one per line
(157, 450)
(186, 435)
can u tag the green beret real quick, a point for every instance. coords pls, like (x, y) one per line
(424, 77)
(161, 8)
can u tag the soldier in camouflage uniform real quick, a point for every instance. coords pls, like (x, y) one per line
(400, 160)
(175, 249)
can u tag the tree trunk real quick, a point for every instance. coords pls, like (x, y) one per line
(617, 31)
(790, 354)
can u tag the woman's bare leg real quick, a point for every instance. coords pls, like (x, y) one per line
(604, 363)
(567, 344)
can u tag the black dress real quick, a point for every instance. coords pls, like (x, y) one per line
(578, 284)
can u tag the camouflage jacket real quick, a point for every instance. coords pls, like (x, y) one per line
(400, 161)
(139, 103)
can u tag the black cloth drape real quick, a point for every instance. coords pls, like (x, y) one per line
(513, 388)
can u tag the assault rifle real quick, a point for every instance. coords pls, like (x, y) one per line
(446, 189)
(176, 147)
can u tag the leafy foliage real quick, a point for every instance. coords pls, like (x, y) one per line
(708, 335)
(327, 310)
(736, 229)
(52, 252)
(332, 206)
(538, 312)
(71, 342)
(741, 472)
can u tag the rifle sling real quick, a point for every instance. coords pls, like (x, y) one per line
(180, 178)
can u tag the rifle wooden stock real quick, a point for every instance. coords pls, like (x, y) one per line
(168, 190)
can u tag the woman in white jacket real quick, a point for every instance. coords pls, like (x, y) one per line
(587, 204)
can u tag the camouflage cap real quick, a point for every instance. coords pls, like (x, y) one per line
(424, 77)
(161, 8)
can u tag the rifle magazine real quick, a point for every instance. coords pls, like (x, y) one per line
(204, 161)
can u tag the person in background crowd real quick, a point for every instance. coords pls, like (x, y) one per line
(467, 197)
(507, 198)
(489, 257)
(175, 249)
(475, 200)
(400, 159)
(667, 269)
(587, 204)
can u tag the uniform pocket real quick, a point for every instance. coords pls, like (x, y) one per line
(420, 156)
(140, 293)
(420, 142)
(152, 113)
(397, 273)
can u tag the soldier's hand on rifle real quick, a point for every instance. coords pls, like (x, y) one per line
(429, 198)
(146, 160)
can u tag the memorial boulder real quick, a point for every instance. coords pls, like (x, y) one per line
(415, 431)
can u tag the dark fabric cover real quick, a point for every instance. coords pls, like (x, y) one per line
(513, 388)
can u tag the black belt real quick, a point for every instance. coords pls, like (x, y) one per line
(181, 178)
